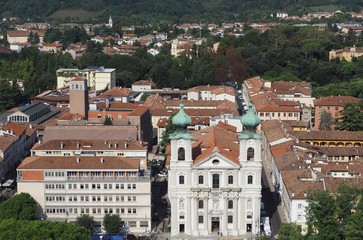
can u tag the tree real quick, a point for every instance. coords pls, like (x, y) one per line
(353, 229)
(352, 117)
(326, 120)
(86, 221)
(321, 216)
(112, 224)
(21, 229)
(19, 207)
(169, 128)
(290, 231)
(108, 121)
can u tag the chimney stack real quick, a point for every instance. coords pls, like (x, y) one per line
(78, 159)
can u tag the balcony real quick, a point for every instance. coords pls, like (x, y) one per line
(109, 178)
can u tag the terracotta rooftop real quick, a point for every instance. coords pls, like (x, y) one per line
(139, 111)
(90, 144)
(116, 92)
(17, 129)
(215, 89)
(329, 135)
(111, 163)
(335, 101)
(298, 189)
(90, 132)
(282, 87)
(218, 139)
(6, 141)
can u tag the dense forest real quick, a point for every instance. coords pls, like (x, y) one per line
(176, 11)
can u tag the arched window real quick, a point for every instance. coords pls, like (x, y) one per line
(215, 178)
(76, 86)
(230, 204)
(181, 154)
(250, 180)
(200, 204)
(230, 179)
(200, 179)
(181, 179)
(250, 153)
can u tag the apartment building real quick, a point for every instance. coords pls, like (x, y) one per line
(66, 187)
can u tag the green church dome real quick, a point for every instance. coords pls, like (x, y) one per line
(181, 119)
(250, 120)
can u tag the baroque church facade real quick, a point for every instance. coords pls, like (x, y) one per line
(215, 179)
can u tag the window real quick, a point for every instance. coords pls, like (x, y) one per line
(200, 179)
(181, 154)
(144, 224)
(230, 219)
(250, 153)
(200, 219)
(215, 162)
(230, 204)
(250, 180)
(132, 223)
(181, 179)
(215, 180)
(230, 179)
(262, 114)
(200, 204)
(299, 217)
(299, 206)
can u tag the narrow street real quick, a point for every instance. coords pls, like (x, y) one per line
(271, 201)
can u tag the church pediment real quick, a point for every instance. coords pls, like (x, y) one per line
(215, 160)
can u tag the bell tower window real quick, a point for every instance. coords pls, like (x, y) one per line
(250, 154)
(181, 154)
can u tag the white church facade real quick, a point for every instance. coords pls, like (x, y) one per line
(215, 179)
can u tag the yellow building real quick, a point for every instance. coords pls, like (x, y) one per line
(346, 54)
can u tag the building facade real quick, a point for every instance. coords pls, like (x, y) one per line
(215, 179)
(66, 187)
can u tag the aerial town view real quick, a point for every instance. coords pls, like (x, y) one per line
(169, 119)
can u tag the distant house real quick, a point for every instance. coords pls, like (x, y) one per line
(142, 85)
(98, 78)
(346, 54)
(52, 47)
(333, 104)
(20, 36)
(211, 92)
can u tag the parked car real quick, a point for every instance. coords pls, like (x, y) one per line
(263, 216)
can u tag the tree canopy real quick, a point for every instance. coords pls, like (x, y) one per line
(35, 230)
(19, 207)
(352, 117)
(335, 217)
(112, 224)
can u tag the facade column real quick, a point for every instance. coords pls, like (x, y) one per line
(256, 215)
(242, 216)
(224, 219)
(174, 216)
(194, 214)
(207, 221)
(188, 216)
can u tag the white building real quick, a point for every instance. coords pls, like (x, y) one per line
(98, 78)
(66, 187)
(215, 179)
(210, 92)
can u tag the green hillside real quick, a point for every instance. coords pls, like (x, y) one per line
(173, 10)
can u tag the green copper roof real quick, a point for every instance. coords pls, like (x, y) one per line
(250, 120)
(181, 119)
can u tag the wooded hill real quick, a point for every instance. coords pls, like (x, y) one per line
(145, 11)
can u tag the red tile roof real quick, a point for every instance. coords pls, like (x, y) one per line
(111, 163)
(335, 101)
